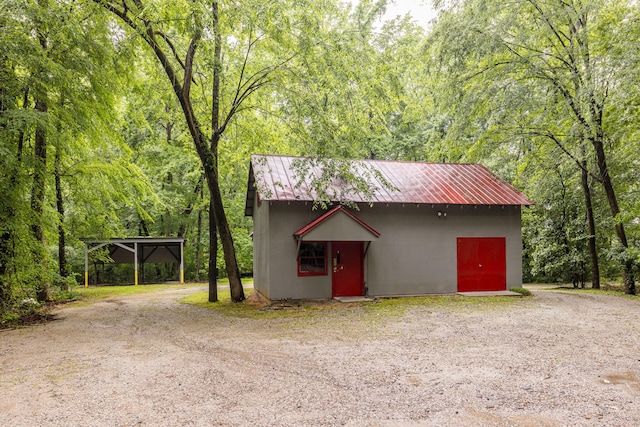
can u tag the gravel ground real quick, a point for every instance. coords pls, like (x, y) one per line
(555, 359)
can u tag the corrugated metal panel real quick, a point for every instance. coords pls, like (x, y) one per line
(427, 183)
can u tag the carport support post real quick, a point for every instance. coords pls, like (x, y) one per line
(181, 262)
(86, 265)
(135, 263)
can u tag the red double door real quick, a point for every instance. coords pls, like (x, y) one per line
(347, 269)
(482, 264)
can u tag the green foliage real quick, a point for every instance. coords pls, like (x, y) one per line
(66, 296)
(23, 309)
(554, 231)
(486, 83)
(337, 180)
(538, 91)
(58, 55)
(522, 291)
(64, 283)
(352, 94)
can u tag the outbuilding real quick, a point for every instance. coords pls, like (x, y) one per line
(138, 252)
(423, 228)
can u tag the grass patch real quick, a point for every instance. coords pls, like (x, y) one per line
(98, 293)
(611, 289)
(257, 308)
(521, 291)
(225, 280)
(447, 302)
(615, 289)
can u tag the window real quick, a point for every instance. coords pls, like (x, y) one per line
(312, 259)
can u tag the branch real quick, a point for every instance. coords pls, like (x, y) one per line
(244, 67)
(188, 67)
(120, 13)
(559, 144)
(539, 52)
(252, 84)
(548, 22)
(171, 46)
(146, 31)
(550, 75)
(144, 28)
(489, 67)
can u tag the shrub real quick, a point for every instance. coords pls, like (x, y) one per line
(522, 291)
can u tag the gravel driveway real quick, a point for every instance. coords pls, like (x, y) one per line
(555, 359)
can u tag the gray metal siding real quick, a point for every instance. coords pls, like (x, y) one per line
(261, 236)
(415, 253)
(284, 220)
(340, 227)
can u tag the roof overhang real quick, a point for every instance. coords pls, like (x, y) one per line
(337, 224)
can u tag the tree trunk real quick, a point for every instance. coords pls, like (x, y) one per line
(198, 245)
(37, 207)
(5, 256)
(143, 230)
(199, 236)
(213, 256)
(231, 265)
(593, 117)
(39, 176)
(591, 241)
(629, 281)
(216, 206)
(62, 248)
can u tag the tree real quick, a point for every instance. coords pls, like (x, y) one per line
(56, 116)
(554, 63)
(189, 28)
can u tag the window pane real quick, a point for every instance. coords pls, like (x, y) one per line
(312, 259)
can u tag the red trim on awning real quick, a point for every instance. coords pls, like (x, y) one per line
(324, 217)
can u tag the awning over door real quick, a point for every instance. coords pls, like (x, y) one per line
(337, 224)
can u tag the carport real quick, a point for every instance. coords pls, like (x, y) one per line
(138, 251)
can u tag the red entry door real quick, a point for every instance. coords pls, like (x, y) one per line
(482, 264)
(347, 269)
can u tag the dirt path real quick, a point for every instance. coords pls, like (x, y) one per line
(555, 359)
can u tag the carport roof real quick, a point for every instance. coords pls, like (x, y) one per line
(152, 249)
(135, 240)
(274, 178)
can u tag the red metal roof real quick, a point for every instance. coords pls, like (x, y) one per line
(274, 178)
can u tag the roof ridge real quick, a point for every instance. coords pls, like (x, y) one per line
(368, 160)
